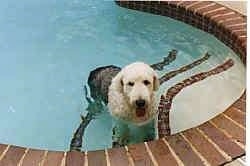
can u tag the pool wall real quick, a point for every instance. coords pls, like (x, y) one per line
(211, 143)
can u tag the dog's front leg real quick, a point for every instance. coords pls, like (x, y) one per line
(121, 134)
(95, 108)
(142, 133)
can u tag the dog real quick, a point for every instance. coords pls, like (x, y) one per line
(132, 102)
(129, 93)
(99, 82)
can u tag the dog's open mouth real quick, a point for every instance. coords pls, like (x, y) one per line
(140, 112)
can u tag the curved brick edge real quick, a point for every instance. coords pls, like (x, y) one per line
(212, 143)
(225, 24)
(173, 73)
(163, 119)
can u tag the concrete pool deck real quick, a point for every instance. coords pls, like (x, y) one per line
(216, 142)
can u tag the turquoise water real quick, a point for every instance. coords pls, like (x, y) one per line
(48, 48)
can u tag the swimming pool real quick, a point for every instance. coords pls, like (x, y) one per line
(49, 48)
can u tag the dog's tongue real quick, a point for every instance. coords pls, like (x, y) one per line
(140, 112)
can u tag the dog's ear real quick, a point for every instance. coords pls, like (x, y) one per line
(156, 83)
(117, 82)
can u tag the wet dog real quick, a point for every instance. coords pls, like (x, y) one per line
(135, 85)
(132, 102)
(130, 95)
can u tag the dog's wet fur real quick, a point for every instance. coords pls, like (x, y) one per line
(124, 132)
(99, 81)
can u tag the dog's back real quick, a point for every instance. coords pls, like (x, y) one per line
(99, 81)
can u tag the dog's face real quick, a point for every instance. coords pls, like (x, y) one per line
(138, 88)
(137, 83)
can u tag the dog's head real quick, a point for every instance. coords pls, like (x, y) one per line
(137, 83)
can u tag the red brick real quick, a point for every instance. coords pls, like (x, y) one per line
(241, 105)
(238, 116)
(186, 3)
(217, 13)
(242, 40)
(236, 132)
(97, 158)
(240, 33)
(223, 18)
(118, 156)
(238, 27)
(162, 153)
(33, 157)
(243, 97)
(204, 147)
(234, 22)
(225, 143)
(2, 148)
(139, 155)
(209, 8)
(74, 158)
(184, 150)
(53, 159)
(173, 2)
(12, 156)
(199, 5)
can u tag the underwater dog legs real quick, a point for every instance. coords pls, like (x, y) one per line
(94, 108)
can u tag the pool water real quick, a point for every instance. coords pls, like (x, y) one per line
(48, 48)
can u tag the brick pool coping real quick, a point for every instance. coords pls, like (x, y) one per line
(215, 142)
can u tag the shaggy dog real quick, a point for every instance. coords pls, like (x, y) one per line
(131, 95)
(131, 101)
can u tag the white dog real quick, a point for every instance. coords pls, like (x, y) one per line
(131, 94)
(132, 101)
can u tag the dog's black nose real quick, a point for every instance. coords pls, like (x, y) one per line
(140, 103)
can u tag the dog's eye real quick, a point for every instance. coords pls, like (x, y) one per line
(130, 83)
(146, 82)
